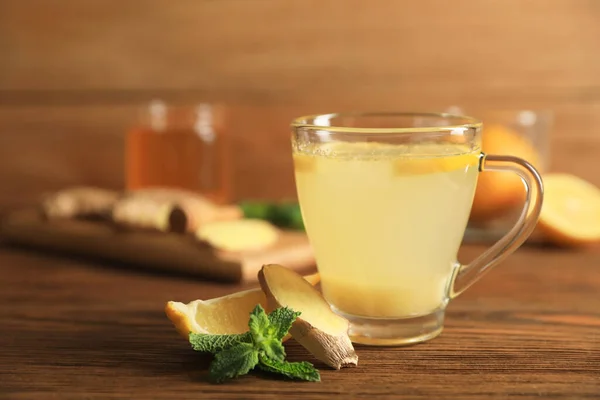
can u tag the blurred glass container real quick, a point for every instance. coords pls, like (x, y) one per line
(533, 127)
(185, 147)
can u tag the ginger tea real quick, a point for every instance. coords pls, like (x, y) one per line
(385, 221)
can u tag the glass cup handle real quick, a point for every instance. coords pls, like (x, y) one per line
(466, 275)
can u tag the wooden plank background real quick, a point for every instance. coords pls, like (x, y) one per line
(73, 74)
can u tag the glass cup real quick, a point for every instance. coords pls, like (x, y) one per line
(385, 199)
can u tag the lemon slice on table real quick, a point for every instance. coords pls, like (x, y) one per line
(222, 315)
(571, 210)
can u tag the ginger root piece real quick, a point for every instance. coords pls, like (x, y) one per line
(197, 208)
(79, 202)
(138, 212)
(238, 235)
(322, 332)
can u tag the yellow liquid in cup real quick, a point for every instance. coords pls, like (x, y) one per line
(386, 221)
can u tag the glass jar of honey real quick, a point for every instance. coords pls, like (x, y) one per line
(183, 147)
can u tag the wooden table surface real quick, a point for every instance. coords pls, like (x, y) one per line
(79, 329)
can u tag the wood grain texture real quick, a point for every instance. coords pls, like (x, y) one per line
(529, 329)
(73, 74)
(306, 50)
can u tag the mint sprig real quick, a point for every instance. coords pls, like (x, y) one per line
(261, 346)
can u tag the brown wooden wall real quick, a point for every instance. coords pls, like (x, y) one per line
(73, 72)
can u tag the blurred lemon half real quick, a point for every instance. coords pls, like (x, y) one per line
(570, 213)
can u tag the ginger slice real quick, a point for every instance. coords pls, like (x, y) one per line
(239, 235)
(80, 201)
(322, 332)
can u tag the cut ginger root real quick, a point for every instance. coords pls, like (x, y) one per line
(149, 214)
(239, 235)
(318, 329)
(571, 211)
(159, 203)
(222, 315)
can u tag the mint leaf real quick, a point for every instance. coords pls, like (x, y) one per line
(283, 318)
(214, 343)
(259, 323)
(233, 362)
(264, 334)
(294, 370)
(272, 348)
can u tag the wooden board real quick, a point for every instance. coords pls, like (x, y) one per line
(149, 250)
